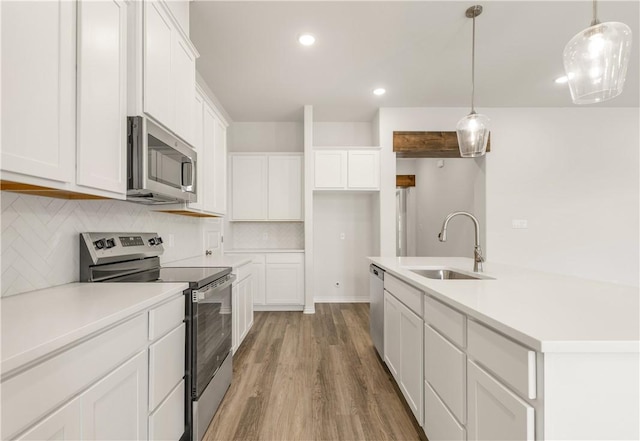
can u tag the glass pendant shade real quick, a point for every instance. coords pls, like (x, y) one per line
(473, 134)
(596, 60)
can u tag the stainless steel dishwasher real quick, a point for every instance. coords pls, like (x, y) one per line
(376, 305)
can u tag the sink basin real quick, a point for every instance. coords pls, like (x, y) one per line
(445, 274)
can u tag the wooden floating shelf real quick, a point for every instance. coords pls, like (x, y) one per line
(428, 145)
(405, 180)
(187, 213)
(36, 190)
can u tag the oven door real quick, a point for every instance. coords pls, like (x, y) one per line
(211, 342)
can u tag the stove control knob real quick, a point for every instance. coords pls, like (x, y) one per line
(110, 243)
(152, 241)
(100, 244)
(159, 240)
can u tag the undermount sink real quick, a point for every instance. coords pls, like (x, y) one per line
(446, 274)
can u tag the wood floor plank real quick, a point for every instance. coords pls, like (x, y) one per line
(312, 377)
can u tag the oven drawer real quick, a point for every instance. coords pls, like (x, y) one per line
(166, 317)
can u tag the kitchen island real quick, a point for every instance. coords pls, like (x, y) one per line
(519, 354)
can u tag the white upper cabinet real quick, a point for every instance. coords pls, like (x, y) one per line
(249, 187)
(351, 169)
(158, 93)
(183, 66)
(102, 95)
(198, 142)
(266, 187)
(331, 169)
(215, 162)
(167, 70)
(39, 88)
(64, 95)
(364, 169)
(285, 191)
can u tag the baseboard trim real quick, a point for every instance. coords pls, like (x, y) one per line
(349, 299)
(278, 307)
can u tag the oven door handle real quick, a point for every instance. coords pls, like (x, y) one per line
(205, 295)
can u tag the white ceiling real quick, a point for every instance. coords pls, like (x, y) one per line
(420, 51)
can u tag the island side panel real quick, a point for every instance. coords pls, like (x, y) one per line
(591, 396)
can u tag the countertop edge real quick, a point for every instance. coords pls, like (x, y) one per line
(543, 346)
(33, 355)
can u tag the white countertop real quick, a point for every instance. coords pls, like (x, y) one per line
(39, 322)
(265, 250)
(210, 261)
(547, 312)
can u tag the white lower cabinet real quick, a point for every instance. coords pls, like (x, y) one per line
(277, 281)
(62, 425)
(284, 284)
(439, 422)
(115, 408)
(125, 383)
(496, 413)
(403, 331)
(241, 304)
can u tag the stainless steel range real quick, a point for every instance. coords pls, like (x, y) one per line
(134, 257)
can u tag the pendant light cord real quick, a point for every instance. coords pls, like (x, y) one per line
(595, 20)
(473, 64)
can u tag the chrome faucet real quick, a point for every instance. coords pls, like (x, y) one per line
(478, 258)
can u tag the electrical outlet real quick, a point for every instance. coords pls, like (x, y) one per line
(519, 224)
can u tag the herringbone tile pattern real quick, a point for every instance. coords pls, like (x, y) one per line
(40, 236)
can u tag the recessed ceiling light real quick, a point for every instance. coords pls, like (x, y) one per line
(379, 91)
(306, 39)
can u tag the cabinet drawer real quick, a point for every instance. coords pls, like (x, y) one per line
(447, 321)
(439, 423)
(167, 422)
(285, 258)
(408, 295)
(445, 371)
(513, 363)
(166, 365)
(166, 317)
(28, 395)
(258, 258)
(242, 272)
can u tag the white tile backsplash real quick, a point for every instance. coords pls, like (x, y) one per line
(40, 236)
(265, 235)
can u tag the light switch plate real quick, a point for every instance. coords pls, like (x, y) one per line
(519, 224)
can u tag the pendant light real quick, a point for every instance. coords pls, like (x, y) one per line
(473, 129)
(596, 60)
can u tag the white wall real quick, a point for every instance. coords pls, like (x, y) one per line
(265, 235)
(265, 137)
(342, 134)
(40, 236)
(438, 192)
(343, 260)
(572, 173)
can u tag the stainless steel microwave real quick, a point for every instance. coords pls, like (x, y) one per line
(161, 168)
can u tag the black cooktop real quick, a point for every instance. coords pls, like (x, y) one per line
(196, 277)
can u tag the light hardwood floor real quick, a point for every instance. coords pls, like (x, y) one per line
(312, 377)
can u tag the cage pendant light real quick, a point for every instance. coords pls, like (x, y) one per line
(596, 59)
(473, 129)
